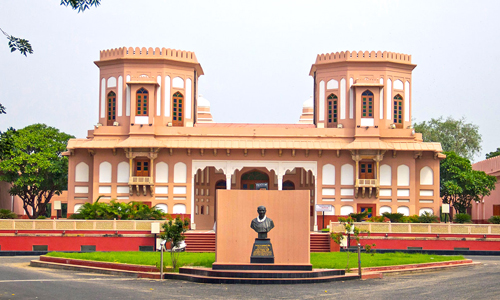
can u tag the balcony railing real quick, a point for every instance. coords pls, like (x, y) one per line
(140, 180)
(367, 183)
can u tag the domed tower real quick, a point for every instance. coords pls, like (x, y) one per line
(204, 115)
(307, 112)
(367, 93)
(154, 87)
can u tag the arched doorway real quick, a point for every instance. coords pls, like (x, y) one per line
(288, 185)
(253, 179)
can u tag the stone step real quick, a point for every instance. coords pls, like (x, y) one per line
(207, 272)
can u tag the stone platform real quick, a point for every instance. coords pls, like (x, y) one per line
(208, 275)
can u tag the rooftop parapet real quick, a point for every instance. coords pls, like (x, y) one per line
(363, 56)
(148, 53)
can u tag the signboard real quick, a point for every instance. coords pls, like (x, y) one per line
(445, 209)
(57, 205)
(324, 207)
(155, 228)
(261, 186)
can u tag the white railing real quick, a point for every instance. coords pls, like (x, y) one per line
(424, 228)
(366, 182)
(140, 180)
(113, 225)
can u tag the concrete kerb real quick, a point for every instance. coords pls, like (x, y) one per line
(368, 273)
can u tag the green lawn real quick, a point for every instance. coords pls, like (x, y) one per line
(324, 260)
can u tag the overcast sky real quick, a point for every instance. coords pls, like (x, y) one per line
(256, 55)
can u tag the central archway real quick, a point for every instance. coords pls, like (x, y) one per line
(249, 180)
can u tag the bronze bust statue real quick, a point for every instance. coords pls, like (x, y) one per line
(262, 224)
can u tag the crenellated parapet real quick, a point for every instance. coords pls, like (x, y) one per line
(148, 53)
(363, 56)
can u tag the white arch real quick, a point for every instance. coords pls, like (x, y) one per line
(425, 209)
(385, 175)
(347, 174)
(346, 210)
(111, 82)
(426, 176)
(384, 209)
(161, 172)
(179, 209)
(180, 172)
(82, 172)
(403, 175)
(178, 82)
(105, 172)
(162, 207)
(123, 172)
(398, 85)
(404, 210)
(328, 175)
(332, 84)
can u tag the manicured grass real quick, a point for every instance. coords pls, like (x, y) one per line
(323, 260)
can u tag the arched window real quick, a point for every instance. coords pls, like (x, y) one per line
(288, 185)
(426, 176)
(328, 175)
(142, 102)
(332, 110)
(177, 109)
(180, 172)
(111, 108)
(367, 109)
(202, 211)
(105, 172)
(82, 172)
(398, 111)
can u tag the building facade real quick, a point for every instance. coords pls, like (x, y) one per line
(353, 147)
(490, 205)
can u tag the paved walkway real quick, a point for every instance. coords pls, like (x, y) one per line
(16, 277)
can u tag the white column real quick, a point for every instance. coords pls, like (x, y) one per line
(315, 202)
(103, 98)
(193, 224)
(280, 182)
(321, 102)
(119, 97)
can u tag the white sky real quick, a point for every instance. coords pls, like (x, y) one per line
(256, 55)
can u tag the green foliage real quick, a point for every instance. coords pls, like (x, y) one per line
(494, 220)
(462, 218)
(393, 217)
(460, 184)
(7, 214)
(174, 233)
(410, 219)
(358, 217)
(454, 135)
(376, 219)
(31, 161)
(427, 217)
(41, 217)
(493, 154)
(369, 249)
(80, 5)
(118, 210)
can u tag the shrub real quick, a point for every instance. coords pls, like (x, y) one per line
(7, 214)
(427, 217)
(40, 217)
(393, 217)
(359, 216)
(462, 218)
(378, 219)
(410, 219)
(494, 220)
(118, 210)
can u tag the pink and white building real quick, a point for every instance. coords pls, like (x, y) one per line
(353, 148)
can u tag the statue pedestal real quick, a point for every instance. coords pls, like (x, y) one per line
(262, 252)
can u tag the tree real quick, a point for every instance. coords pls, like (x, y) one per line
(460, 184)
(454, 135)
(174, 233)
(24, 46)
(32, 162)
(493, 154)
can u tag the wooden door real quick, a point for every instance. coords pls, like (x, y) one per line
(496, 210)
(366, 170)
(142, 167)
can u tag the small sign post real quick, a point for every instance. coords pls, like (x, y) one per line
(323, 208)
(445, 209)
(155, 229)
(57, 208)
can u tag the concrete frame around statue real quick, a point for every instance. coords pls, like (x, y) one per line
(290, 211)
